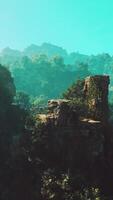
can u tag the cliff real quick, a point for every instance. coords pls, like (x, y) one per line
(63, 144)
(81, 145)
(96, 94)
(81, 139)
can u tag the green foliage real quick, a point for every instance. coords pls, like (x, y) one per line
(12, 126)
(38, 105)
(82, 70)
(75, 94)
(23, 100)
(97, 64)
(7, 87)
(57, 187)
(37, 161)
(75, 91)
(42, 76)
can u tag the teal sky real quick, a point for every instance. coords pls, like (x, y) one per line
(76, 25)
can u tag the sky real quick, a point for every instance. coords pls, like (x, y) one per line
(85, 26)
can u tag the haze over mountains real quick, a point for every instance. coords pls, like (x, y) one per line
(8, 54)
(45, 48)
(37, 68)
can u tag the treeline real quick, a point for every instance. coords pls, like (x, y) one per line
(46, 71)
(41, 76)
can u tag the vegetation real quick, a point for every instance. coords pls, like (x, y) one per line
(39, 69)
(76, 94)
(7, 87)
(41, 76)
(37, 161)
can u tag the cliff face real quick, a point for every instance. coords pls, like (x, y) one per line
(78, 140)
(61, 142)
(75, 141)
(96, 94)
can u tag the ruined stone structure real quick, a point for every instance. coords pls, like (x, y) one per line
(96, 94)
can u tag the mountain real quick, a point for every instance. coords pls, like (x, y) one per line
(9, 56)
(45, 48)
(97, 64)
(10, 52)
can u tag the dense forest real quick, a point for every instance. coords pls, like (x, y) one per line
(51, 152)
(39, 69)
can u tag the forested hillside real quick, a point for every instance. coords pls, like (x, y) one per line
(59, 154)
(39, 69)
(61, 151)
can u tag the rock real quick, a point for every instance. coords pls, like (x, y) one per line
(96, 95)
(76, 140)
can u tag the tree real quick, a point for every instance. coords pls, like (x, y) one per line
(75, 94)
(7, 87)
(82, 70)
(75, 90)
(23, 100)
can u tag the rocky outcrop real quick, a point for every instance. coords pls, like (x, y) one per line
(65, 143)
(74, 139)
(96, 94)
(59, 113)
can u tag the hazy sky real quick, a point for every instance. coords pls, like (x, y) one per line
(77, 25)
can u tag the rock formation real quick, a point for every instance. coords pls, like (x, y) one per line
(96, 97)
(84, 138)
(63, 142)
(96, 94)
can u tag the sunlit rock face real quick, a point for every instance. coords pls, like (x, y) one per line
(96, 98)
(77, 141)
(59, 113)
(62, 113)
(96, 94)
